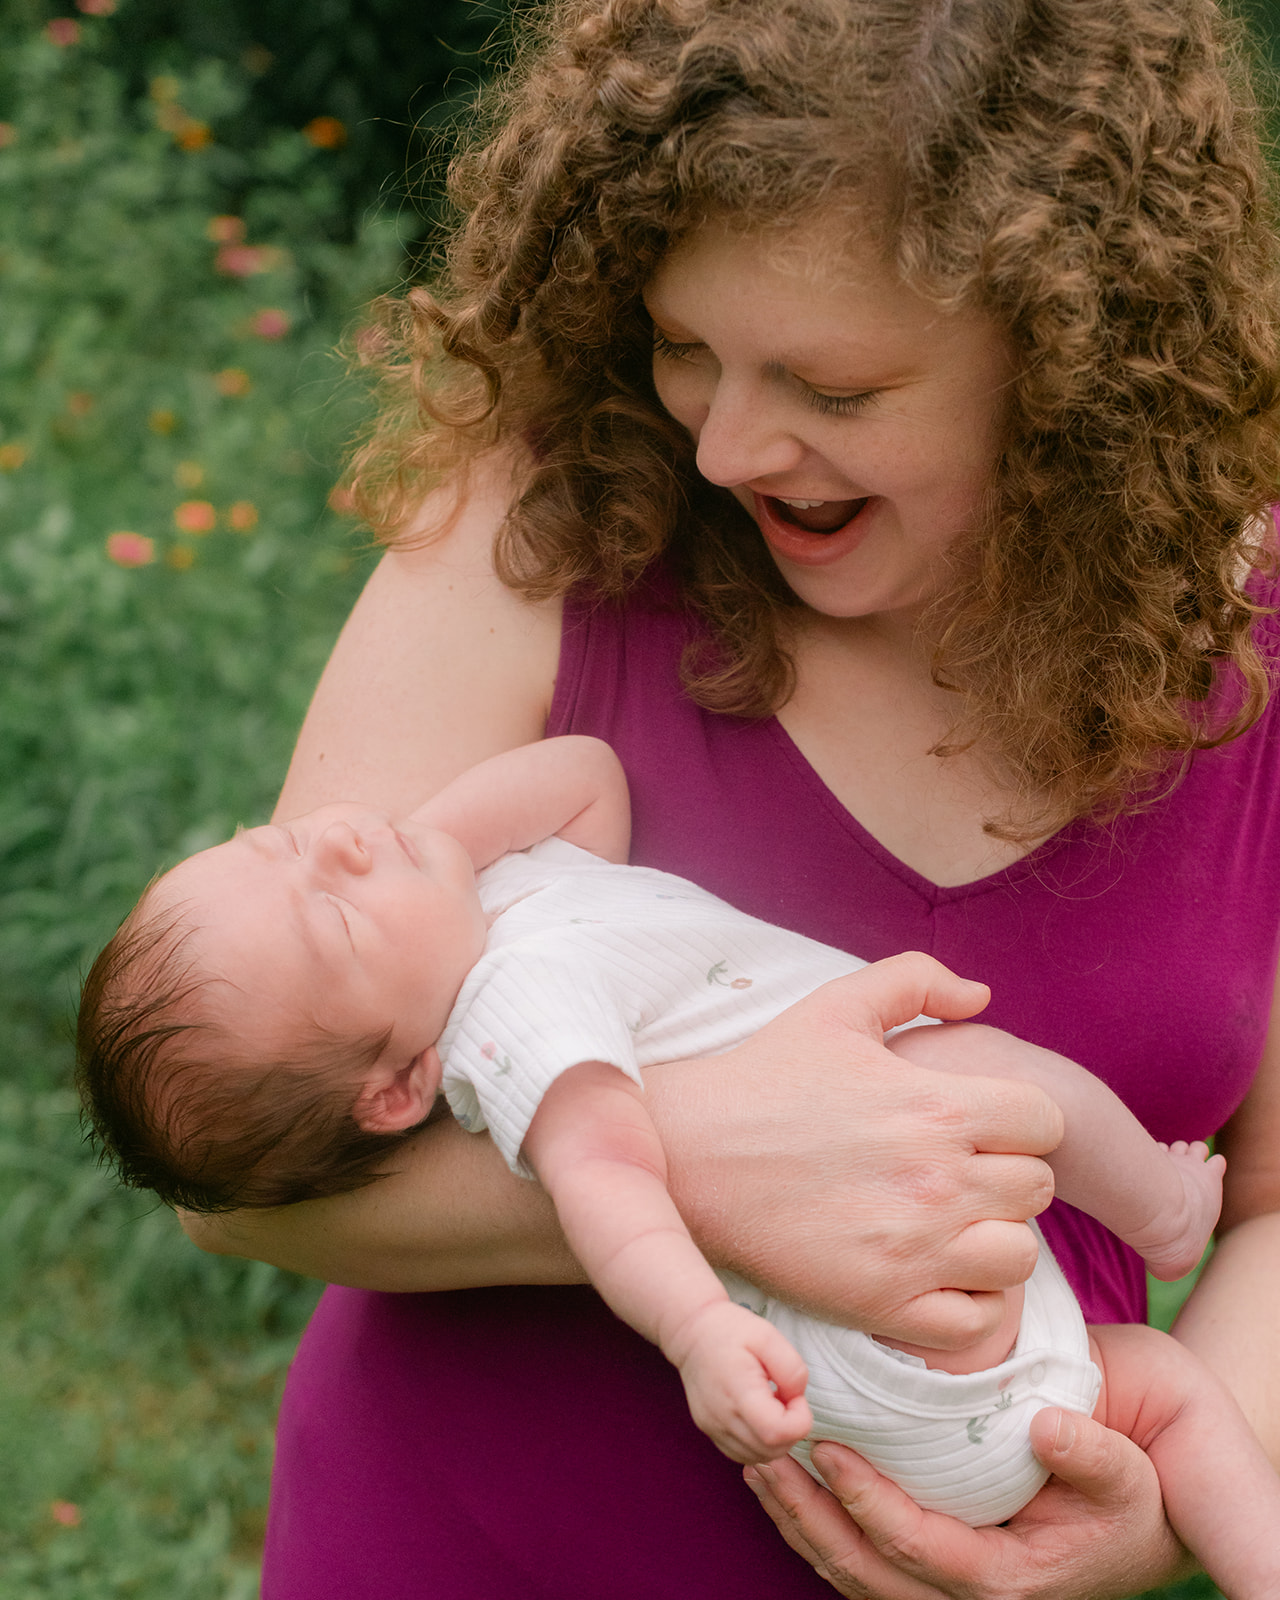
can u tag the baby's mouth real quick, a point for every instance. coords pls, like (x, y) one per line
(817, 516)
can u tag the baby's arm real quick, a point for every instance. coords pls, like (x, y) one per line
(1221, 1493)
(599, 1157)
(1162, 1200)
(572, 786)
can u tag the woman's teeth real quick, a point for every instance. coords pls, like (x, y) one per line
(818, 516)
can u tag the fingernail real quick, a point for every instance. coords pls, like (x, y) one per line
(752, 1480)
(1066, 1434)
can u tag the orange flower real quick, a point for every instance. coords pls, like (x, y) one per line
(62, 31)
(8, 133)
(193, 135)
(326, 133)
(12, 456)
(130, 550)
(79, 403)
(243, 516)
(195, 516)
(270, 324)
(181, 557)
(225, 230)
(232, 381)
(162, 420)
(65, 1513)
(188, 474)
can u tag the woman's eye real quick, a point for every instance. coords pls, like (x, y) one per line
(838, 405)
(669, 350)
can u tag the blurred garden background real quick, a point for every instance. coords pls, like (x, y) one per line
(196, 199)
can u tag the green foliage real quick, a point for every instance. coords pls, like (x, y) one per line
(145, 710)
(394, 75)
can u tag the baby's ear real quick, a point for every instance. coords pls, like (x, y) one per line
(394, 1099)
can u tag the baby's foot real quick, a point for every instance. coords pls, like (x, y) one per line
(1174, 1241)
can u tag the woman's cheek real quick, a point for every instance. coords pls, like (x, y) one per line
(682, 395)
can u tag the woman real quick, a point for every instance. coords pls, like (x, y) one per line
(859, 413)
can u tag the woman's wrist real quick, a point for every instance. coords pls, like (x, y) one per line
(450, 1217)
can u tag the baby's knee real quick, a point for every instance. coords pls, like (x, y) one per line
(969, 1047)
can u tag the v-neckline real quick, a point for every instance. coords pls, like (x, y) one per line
(1013, 871)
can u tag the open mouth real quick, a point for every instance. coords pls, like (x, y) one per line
(816, 516)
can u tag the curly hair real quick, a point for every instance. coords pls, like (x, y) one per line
(1087, 173)
(178, 1107)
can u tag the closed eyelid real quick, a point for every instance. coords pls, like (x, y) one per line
(674, 349)
(342, 908)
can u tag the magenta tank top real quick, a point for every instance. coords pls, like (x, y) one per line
(523, 1442)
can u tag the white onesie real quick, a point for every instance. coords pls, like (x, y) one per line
(588, 961)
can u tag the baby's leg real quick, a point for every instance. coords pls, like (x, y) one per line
(1221, 1493)
(1161, 1199)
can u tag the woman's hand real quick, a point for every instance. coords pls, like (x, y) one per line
(844, 1180)
(811, 1160)
(1096, 1531)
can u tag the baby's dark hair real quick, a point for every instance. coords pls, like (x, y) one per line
(178, 1105)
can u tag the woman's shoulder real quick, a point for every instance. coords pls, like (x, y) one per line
(439, 666)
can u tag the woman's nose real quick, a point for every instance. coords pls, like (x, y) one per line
(743, 438)
(341, 847)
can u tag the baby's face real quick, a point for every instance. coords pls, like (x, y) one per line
(337, 919)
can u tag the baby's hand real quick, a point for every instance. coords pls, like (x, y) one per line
(744, 1383)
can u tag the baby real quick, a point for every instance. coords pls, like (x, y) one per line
(280, 1011)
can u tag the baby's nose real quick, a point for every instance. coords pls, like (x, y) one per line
(342, 846)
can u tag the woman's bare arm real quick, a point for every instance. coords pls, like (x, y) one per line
(1230, 1320)
(439, 666)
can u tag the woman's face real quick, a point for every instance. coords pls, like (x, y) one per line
(856, 422)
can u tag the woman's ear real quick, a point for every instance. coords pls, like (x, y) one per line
(394, 1099)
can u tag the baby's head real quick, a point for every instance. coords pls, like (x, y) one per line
(262, 1028)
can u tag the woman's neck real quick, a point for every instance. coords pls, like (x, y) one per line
(867, 716)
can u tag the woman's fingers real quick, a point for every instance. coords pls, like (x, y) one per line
(818, 1527)
(1102, 1466)
(887, 993)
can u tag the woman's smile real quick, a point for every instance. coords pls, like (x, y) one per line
(854, 420)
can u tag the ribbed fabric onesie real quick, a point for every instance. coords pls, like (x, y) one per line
(1146, 951)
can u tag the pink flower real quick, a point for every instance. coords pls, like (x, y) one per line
(131, 549)
(243, 516)
(270, 324)
(244, 260)
(62, 31)
(195, 516)
(65, 1513)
